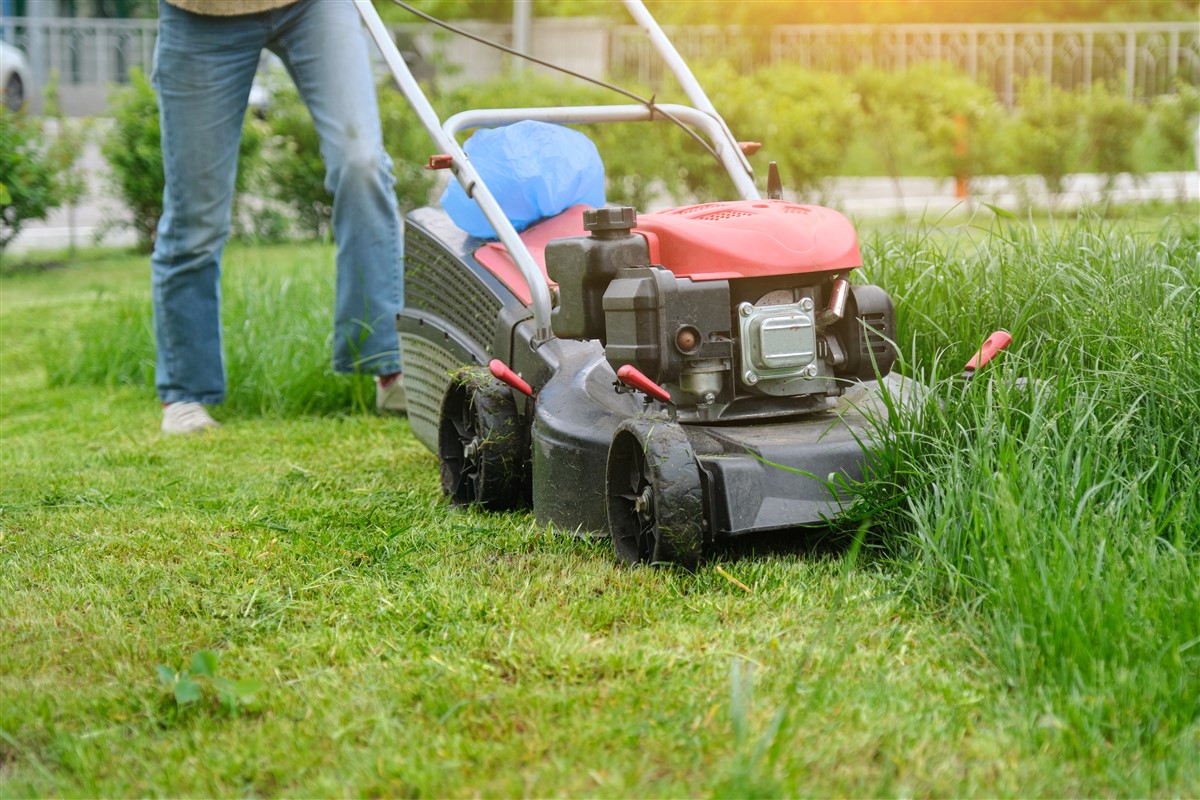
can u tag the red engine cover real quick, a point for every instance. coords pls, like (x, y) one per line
(749, 238)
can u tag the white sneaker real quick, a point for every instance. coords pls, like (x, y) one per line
(187, 418)
(390, 399)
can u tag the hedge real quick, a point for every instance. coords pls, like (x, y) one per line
(928, 120)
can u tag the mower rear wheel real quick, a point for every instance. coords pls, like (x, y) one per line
(483, 457)
(654, 497)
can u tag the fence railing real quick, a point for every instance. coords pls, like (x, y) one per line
(83, 51)
(1143, 58)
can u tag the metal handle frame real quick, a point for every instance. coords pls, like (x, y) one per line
(703, 116)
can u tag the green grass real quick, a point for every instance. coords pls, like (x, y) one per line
(1022, 620)
(1065, 514)
(278, 332)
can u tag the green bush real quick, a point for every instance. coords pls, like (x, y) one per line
(293, 174)
(252, 219)
(1049, 130)
(1113, 124)
(927, 120)
(133, 149)
(409, 145)
(932, 120)
(889, 122)
(803, 119)
(941, 97)
(1174, 121)
(35, 172)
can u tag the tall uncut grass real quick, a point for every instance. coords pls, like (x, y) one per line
(277, 309)
(1056, 499)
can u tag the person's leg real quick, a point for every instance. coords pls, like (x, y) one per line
(325, 48)
(203, 69)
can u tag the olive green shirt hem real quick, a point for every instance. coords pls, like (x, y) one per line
(229, 8)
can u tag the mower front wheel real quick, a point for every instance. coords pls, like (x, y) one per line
(655, 501)
(482, 450)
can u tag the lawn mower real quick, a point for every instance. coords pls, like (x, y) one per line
(673, 378)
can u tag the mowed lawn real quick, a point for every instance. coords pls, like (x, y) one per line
(1013, 611)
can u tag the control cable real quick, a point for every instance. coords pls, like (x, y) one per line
(648, 102)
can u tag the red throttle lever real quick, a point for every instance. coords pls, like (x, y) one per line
(990, 348)
(634, 379)
(504, 373)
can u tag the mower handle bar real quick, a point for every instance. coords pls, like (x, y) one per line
(704, 116)
(726, 149)
(694, 91)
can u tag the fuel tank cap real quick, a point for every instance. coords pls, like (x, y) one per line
(609, 218)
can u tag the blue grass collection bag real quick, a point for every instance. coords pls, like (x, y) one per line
(533, 169)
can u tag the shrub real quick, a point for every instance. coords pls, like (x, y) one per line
(70, 137)
(940, 97)
(36, 170)
(1113, 124)
(803, 119)
(889, 122)
(1175, 124)
(293, 174)
(133, 149)
(1049, 128)
(927, 120)
(932, 119)
(409, 145)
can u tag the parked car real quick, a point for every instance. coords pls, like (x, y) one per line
(16, 77)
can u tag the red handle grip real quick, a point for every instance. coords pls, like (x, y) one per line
(990, 348)
(502, 372)
(631, 377)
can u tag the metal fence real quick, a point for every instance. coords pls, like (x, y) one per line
(87, 55)
(1143, 58)
(83, 50)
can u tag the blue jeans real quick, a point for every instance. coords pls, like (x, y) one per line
(203, 70)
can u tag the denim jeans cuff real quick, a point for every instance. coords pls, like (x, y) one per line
(182, 397)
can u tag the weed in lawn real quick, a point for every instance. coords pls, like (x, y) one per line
(187, 686)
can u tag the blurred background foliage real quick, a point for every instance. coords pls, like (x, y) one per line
(928, 120)
(791, 12)
(785, 12)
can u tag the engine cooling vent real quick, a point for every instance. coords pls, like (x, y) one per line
(427, 371)
(719, 215)
(693, 210)
(438, 283)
